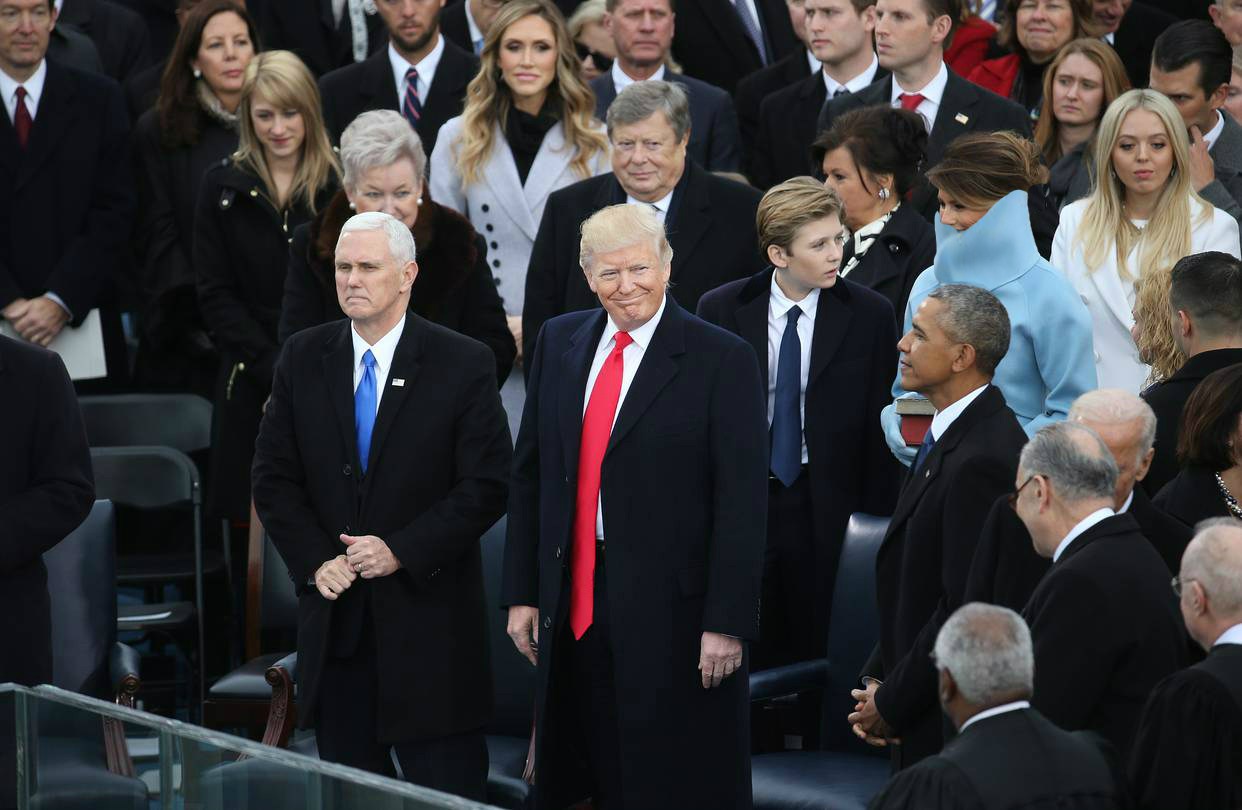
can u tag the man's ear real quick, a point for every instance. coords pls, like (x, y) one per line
(776, 255)
(948, 687)
(965, 357)
(1218, 97)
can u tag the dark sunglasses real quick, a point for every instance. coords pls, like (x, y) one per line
(602, 63)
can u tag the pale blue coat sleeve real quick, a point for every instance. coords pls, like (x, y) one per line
(1064, 346)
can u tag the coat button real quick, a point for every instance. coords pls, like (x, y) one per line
(495, 262)
(557, 553)
(488, 227)
(547, 622)
(347, 471)
(484, 208)
(497, 280)
(894, 248)
(254, 192)
(495, 246)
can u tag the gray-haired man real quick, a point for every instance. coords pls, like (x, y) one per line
(1006, 753)
(1105, 624)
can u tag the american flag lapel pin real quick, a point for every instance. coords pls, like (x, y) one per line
(398, 382)
(962, 118)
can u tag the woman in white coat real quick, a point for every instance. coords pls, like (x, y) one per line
(528, 129)
(1141, 217)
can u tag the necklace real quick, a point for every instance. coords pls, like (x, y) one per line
(1230, 502)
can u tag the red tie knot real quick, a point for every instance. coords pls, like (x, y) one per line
(21, 93)
(622, 339)
(911, 101)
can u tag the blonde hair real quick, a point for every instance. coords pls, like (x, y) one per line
(1105, 224)
(621, 226)
(282, 80)
(787, 207)
(488, 98)
(1154, 315)
(980, 168)
(1237, 59)
(1115, 82)
(592, 11)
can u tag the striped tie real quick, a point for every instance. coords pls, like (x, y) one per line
(412, 107)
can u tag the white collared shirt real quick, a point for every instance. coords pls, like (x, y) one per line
(1231, 636)
(631, 359)
(812, 61)
(661, 205)
(853, 85)
(1110, 38)
(1004, 708)
(622, 80)
(779, 305)
(942, 419)
(1211, 137)
(932, 94)
(382, 351)
(1125, 507)
(426, 68)
(1090, 520)
(34, 91)
(476, 34)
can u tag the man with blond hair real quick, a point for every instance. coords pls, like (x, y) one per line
(636, 535)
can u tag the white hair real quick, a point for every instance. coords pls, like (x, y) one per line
(1116, 406)
(400, 239)
(378, 139)
(1214, 559)
(987, 649)
(1074, 458)
(621, 226)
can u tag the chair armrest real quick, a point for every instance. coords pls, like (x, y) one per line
(123, 665)
(804, 676)
(289, 664)
(281, 711)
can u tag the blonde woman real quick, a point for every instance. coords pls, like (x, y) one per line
(1141, 217)
(528, 129)
(282, 173)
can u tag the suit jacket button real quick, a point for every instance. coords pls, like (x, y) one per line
(347, 471)
(495, 262)
(894, 248)
(484, 208)
(557, 553)
(547, 622)
(488, 227)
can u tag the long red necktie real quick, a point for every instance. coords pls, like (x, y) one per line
(21, 118)
(596, 429)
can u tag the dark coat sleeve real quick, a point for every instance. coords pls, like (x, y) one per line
(1005, 568)
(545, 290)
(483, 316)
(883, 473)
(303, 303)
(164, 270)
(520, 582)
(931, 783)
(61, 488)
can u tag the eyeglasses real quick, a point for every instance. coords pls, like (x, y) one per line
(1013, 496)
(602, 63)
(1178, 583)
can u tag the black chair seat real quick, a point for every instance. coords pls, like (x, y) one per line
(247, 682)
(154, 569)
(506, 761)
(130, 617)
(816, 780)
(71, 774)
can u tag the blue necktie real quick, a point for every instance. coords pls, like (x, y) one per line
(412, 106)
(752, 29)
(929, 441)
(364, 408)
(786, 410)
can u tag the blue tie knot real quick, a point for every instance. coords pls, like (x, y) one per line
(411, 75)
(794, 313)
(368, 359)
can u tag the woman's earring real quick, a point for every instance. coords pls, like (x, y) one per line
(883, 193)
(353, 207)
(1112, 172)
(198, 74)
(420, 201)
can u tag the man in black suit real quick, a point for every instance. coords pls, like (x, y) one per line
(466, 23)
(1006, 754)
(65, 192)
(636, 535)
(420, 74)
(753, 89)
(840, 33)
(642, 31)
(1131, 28)
(382, 458)
(822, 372)
(1206, 297)
(1105, 623)
(959, 335)
(722, 41)
(321, 32)
(118, 33)
(46, 490)
(710, 220)
(1189, 742)
(911, 36)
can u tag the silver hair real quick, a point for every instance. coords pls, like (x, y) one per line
(1074, 459)
(400, 239)
(592, 11)
(620, 226)
(974, 316)
(376, 139)
(1116, 406)
(641, 100)
(987, 649)
(1214, 559)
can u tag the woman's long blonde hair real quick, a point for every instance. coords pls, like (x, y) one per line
(488, 98)
(282, 80)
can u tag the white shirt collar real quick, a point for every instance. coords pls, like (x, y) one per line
(855, 84)
(812, 61)
(781, 303)
(933, 91)
(426, 68)
(622, 80)
(476, 35)
(1110, 37)
(382, 351)
(1090, 520)
(1125, 507)
(995, 710)
(1231, 636)
(1210, 137)
(642, 335)
(663, 204)
(34, 90)
(942, 419)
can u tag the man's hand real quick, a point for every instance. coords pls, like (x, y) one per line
(1202, 167)
(334, 577)
(524, 630)
(719, 657)
(866, 721)
(37, 320)
(370, 556)
(515, 328)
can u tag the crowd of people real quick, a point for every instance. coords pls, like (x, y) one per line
(971, 266)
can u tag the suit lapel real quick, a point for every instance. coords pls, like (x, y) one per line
(1112, 292)
(452, 76)
(51, 123)
(501, 175)
(380, 82)
(658, 367)
(338, 375)
(729, 27)
(690, 219)
(575, 367)
(953, 117)
(405, 363)
(752, 324)
(832, 324)
(551, 161)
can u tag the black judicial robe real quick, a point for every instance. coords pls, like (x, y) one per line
(1188, 751)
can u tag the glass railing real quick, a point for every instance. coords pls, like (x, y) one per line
(62, 751)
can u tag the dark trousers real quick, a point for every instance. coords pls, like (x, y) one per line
(348, 719)
(792, 596)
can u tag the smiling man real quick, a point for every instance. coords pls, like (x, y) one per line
(636, 535)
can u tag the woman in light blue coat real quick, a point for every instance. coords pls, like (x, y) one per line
(983, 237)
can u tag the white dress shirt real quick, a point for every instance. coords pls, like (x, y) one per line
(1086, 523)
(942, 419)
(1210, 137)
(661, 205)
(932, 94)
(778, 311)
(382, 351)
(1231, 636)
(426, 68)
(631, 359)
(622, 80)
(1004, 708)
(476, 33)
(1125, 507)
(855, 84)
(812, 61)
(34, 91)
